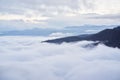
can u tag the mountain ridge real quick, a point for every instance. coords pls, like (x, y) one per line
(109, 37)
(86, 29)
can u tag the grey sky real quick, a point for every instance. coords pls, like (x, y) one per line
(22, 14)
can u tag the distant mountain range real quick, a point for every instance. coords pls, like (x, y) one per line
(86, 29)
(109, 37)
(28, 32)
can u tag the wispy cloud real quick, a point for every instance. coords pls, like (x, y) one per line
(64, 12)
(108, 16)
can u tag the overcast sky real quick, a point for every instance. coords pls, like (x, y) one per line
(23, 14)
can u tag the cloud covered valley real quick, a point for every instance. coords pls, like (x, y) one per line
(26, 58)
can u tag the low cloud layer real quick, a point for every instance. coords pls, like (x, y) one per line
(26, 58)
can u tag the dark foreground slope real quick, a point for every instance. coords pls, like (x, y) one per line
(109, 37)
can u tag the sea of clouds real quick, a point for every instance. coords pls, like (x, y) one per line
(26, 58)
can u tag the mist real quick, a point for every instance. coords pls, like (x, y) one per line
(26, 58)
